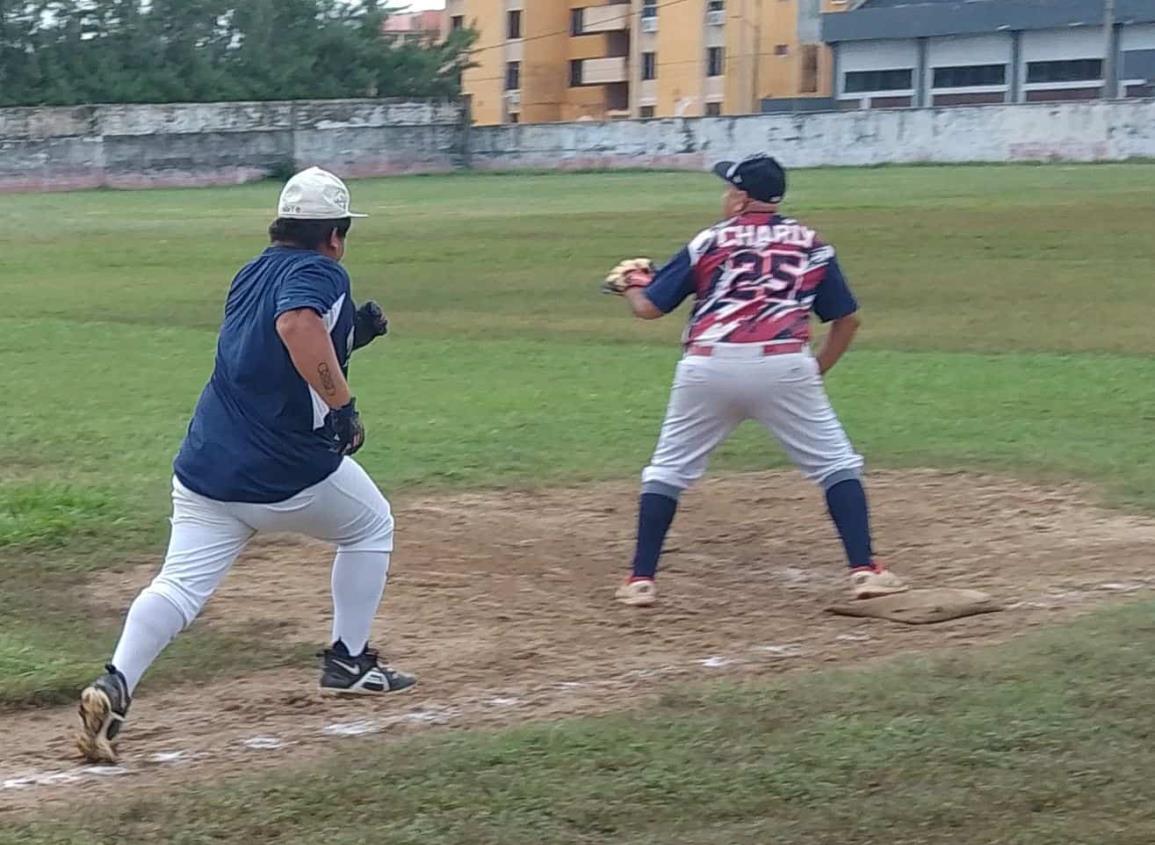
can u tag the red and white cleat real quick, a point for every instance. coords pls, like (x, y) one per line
(637, 592)
(872, 582)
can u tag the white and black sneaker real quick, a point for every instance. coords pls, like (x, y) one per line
(364, 674)
(103, 708)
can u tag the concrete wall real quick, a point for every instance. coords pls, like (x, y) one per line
(1091, 131)
(150, 146)
(212, 144)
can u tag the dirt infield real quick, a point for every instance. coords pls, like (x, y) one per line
(502, 604)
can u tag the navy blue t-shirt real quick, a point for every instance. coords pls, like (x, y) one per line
(260, 433)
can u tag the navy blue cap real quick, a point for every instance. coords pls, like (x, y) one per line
(760, 176)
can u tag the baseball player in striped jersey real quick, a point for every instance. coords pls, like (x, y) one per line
(755, 279)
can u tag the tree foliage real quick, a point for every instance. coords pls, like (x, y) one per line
(65, 52)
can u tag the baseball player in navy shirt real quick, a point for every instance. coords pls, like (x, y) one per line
(268, 449)
(755, 279)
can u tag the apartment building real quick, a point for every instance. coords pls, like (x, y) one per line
(413, 27)
(561, 60)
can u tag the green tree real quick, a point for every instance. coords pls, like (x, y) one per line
(58, 52)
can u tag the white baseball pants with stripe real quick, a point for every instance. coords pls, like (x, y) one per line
(713, 395)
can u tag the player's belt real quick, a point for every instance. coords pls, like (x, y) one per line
(743, 350)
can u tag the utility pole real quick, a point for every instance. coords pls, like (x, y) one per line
(745, 64)
(755, 104)
(635, 61)
(1110, 75)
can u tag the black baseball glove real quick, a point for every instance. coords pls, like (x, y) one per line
(348, 433)
(369, 323)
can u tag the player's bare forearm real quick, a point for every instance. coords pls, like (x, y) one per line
(640, 304)
(311, 349)
(838, 340)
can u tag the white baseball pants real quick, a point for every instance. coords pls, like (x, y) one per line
(346, 509)
(713, 395)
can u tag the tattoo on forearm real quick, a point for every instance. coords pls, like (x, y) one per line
(327, 379)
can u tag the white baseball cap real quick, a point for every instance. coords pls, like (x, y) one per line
(315, 194)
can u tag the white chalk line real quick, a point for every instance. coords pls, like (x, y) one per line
(263, 743)
(1055, 599)
(434, 715)
(424, 716)
(67, 776)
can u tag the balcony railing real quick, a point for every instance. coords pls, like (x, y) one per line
(611, 18)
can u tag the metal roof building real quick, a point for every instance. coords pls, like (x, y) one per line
(896, 53)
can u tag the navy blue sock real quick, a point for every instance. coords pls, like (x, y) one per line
(655, 513)
(847, 504)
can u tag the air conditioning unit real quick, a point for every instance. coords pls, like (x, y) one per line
(513, 98)
(649, 24)
(717, 18)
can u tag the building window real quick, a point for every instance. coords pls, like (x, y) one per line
(649, 66)
(879, 80)
(647, 111)
(457, 22)
(515, 117)
(781, 49)
(649, 8)
(1073, 70)
(715, 61)
(617, 97)
(513, 24)
(968, 76)
(512, 76)
(577, 22)
(808, 84)
(617, 45)
(716, 6)
(713, 109)
(575, 73)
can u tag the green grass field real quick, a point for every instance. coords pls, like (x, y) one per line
(1006, 314)
(1044, 742)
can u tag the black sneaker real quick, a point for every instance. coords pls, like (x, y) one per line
(364, 674)
(103, 707)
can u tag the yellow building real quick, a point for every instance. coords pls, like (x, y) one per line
(551, 60)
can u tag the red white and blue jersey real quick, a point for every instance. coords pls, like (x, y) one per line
(756, 278)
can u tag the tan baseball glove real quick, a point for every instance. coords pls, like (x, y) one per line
(634, 273)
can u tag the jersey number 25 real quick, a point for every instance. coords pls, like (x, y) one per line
(773, 271)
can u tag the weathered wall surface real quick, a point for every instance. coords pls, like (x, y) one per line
(212, 144)
(221, 143)
(1086, 131)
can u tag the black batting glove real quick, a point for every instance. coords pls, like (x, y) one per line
(369, 323)
(348, 433)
